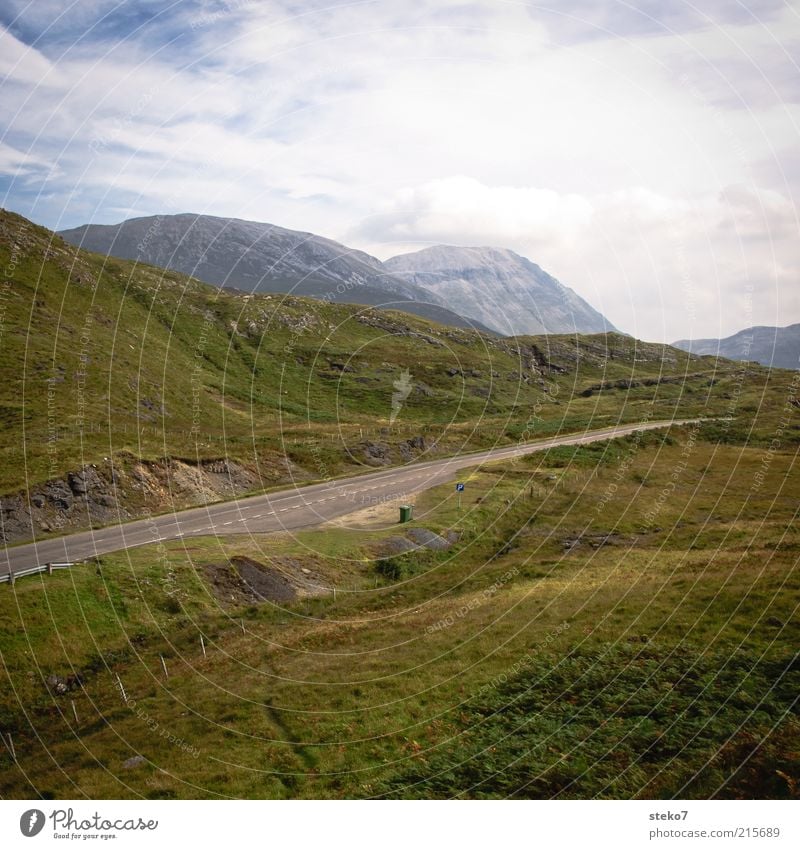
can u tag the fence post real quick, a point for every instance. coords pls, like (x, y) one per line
(164, 665)
(122, 689)
(49, 568)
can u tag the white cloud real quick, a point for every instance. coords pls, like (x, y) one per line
(622, 161)
(657, 266)
(465, 210)
(14, 161)
(20, 63)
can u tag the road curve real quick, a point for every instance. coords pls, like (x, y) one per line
(298, 507)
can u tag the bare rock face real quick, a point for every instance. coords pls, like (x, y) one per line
(376, 453)
(499, 288)
(103, 494)
(253, 256)
(84, 481)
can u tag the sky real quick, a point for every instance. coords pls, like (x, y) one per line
(647, 154)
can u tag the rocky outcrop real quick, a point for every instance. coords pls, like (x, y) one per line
(105, 493)
(384, 454)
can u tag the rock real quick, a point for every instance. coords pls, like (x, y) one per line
(85, 481)
(58, 494)
(452, 371)
(132, 763)
(377, 452)
(392, 546)
(416, 442)
(428, 539)
(56, 685)
(77, 483)
(38, 500)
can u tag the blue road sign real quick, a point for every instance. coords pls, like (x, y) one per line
(459, 487)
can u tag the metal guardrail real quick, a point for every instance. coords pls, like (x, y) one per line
(12, 576)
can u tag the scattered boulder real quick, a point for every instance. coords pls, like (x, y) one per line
(264, 583)
(392, 546)
(81, 482)
(59, 494)
(243, 580)
(56, 685)
(428, 539)
(376, 453)
(132, 763)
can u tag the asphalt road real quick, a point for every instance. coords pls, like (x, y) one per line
(298, 507)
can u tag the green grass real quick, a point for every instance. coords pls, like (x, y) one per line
(624, 721)
(105, 358)
(680, 634)
(617, 619)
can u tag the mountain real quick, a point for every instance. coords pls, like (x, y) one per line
(500, 288)
(257, 257)
(131, 388)
(770, 346)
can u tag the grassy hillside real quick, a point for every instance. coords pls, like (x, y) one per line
(568, 645)
(108, 363)
(613, 620)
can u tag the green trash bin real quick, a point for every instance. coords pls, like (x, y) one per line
(405, 513)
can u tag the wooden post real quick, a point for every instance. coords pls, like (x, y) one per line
(202, 645)
(49, 568)
(122, 690)
(74, 712)
(11, 747)
(334, 593)
(164, 665)
(242, 623)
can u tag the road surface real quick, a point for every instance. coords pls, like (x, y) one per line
(298, 507)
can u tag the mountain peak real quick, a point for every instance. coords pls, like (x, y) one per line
(485, 287)
(253, 256)
(770, 346)
(500, 288)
